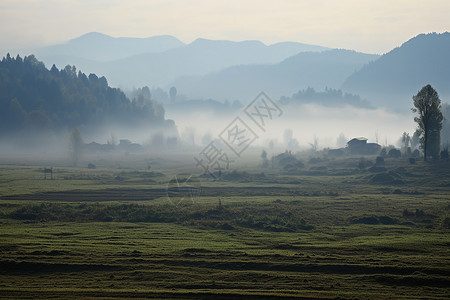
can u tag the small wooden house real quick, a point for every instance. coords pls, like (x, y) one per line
(359, 145)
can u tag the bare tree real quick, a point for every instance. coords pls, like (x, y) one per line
(406, 139)
(315, 144)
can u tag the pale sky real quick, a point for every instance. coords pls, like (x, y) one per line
(373, 26)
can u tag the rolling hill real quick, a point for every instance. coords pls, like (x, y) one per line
(306, 69)
(396, 76)
(131, 63)
(99, 47)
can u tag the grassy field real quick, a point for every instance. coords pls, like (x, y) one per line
(330, 230)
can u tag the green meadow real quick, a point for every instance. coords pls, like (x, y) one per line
(331, 230)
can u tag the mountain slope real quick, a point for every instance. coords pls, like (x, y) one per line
(309, 69)
(96, 46)
(198, 58)
(93, 53)
(399, 74)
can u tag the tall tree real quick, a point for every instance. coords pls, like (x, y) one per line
(75, 145)
(173, 94)
(406, 140)
(427, 106)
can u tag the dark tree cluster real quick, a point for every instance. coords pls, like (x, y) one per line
(35, 99)
(330, 97)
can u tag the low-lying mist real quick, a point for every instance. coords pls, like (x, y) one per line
(300, 126)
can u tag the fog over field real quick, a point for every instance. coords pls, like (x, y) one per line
(306, 122)
(209, 83)
(224, 149)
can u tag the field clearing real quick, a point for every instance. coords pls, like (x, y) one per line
(116, 234)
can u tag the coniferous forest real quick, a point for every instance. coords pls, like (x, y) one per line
(35, 100)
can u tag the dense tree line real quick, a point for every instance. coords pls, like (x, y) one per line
(329, 97)
(35, 99)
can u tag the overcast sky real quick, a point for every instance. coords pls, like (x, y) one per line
(373, 26)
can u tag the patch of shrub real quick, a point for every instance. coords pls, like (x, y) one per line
(419, 216)
(389, 178)
(336, 152)
(287, 160)
(446, 223)
(379, 160)
(416, 153)
(315, 160)
(394, 153)
(377, 169)
(364, 163)
(373, 220)
(93, 213)
(242, 176)
(293, 167)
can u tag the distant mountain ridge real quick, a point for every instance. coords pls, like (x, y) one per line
(161, 66)
(399, 74)
(317, 70)
(222, 69)
(101, 47)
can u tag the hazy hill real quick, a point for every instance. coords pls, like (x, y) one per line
(37, 103)
(399, 74)
(158, 67)
(306, 69)
(99, 47)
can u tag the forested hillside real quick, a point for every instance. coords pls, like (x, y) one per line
(36, 100)
(396, 76)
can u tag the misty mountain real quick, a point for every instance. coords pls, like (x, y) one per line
(316, 70)
(160, 68)
(396, 76)
(37, 103)
(98, 47)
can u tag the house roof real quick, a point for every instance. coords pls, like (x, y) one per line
(359, 139)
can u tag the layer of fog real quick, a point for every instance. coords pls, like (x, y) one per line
(300, 126)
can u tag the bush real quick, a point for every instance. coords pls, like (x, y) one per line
(373, 220)
(416, 153)
(386, 178)
(379, 160)
(315, 160)
(376, 169)
(394, 153)
(293, 167)
(336, 152)
(444, 154)
(446, 223)
(364, 163)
